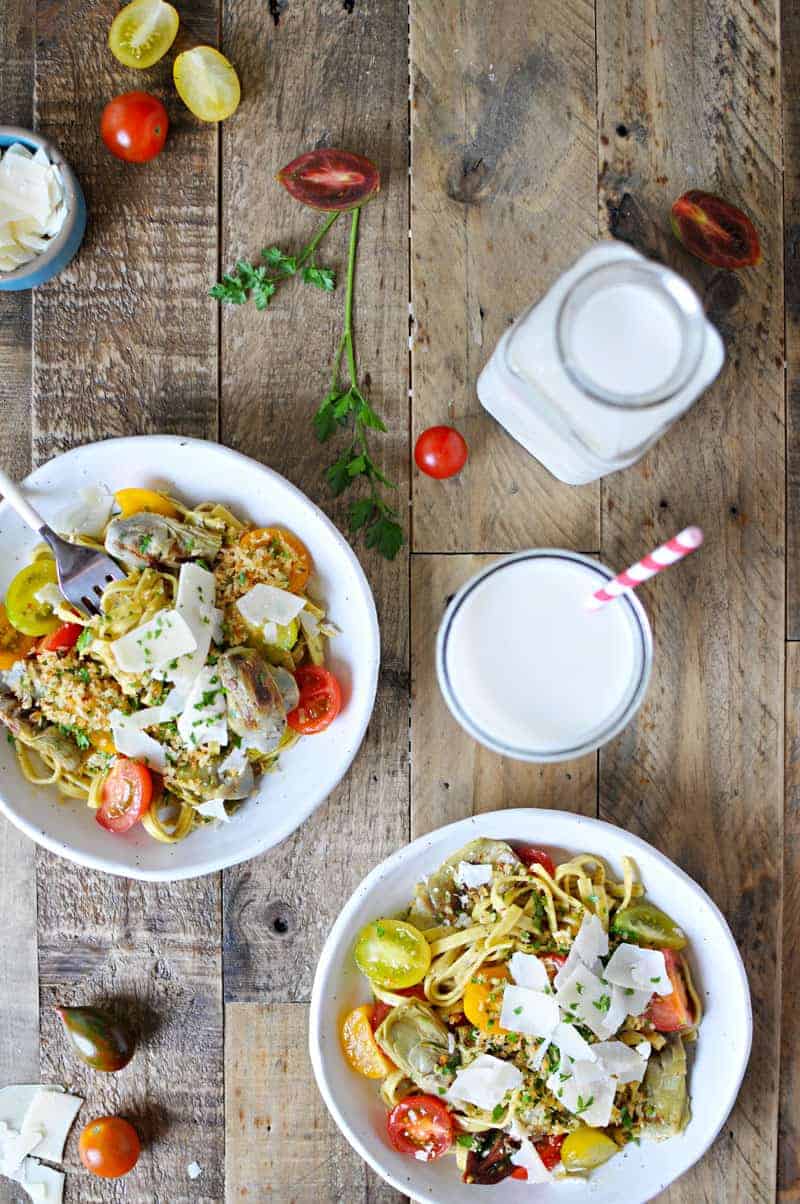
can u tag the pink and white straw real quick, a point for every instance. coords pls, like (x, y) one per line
(668, 553)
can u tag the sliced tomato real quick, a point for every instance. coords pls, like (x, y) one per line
(549, 1149)
(530, 855)
(519, 1172)
(415, 992)
(127, 794)
(331, 179)
(421, 1125)
(380, 1011)
(360, 1047)
(281, 554)
(207, 83)
(142, 32)
(14, 646)
(64, 637)
(672, 1013)
(483, 1000)
(320, 700)
(24, 610)
(553, 962)
(135, 501)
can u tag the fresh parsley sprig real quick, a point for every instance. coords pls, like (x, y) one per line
(346, 406)
(260, 284)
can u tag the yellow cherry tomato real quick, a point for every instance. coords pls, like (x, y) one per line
(22, 609)
(360, 1047)
(136, 501)
(143, 32)
(483, 1000)
(207, 83)
(14, 646)
(586, 1148)
(392, 954)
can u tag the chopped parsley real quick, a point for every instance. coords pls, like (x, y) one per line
(603, 1003)
(518, 1011)
(498, 1111)
(83, 675)
(583, 1104)
(465, 1140)
(84, 639)
(144, 543)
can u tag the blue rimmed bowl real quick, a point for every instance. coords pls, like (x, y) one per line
(63, 248)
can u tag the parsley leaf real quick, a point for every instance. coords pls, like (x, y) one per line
(497, 1111)
(466, 1140)
(84, 639)
(319, 277)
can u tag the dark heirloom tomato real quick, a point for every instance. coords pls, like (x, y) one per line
(715, 231)
(489, 1161)
(331, 179)
(421, 1125)
(97, 1038)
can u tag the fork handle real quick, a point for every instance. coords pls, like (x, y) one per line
(17, 501)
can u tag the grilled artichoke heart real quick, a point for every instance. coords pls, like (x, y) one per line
(146, 540)
(417, 1042)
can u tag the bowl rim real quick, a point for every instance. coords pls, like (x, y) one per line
(257, 847)
(74, 197)
(477, 825)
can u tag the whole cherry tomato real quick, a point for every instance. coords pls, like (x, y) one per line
(109, 1147)
(441, 452)
(134, 126)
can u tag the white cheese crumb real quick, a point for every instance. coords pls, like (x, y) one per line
(472, 876)
(194, 1170)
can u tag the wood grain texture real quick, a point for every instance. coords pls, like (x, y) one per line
(503, 193)
(274, 374)
(790, 60)
(126, 336)
(694, 103)
(281, 1143)
(151, 952)
(452, 775)
(789, 1104)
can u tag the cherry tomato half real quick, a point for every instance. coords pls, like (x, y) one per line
(421, 1125)
(134, 126)
(109, 1147)
(14, 646)
(320, 700)
(64, 637)
(441, 452)
(549, 1150)
(360, 1047)
(672, 1013)
(530, 855)
(331, 179)
(280, 554)
(127, 794)
(142, 32)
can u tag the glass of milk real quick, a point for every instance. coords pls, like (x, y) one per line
(591, 375)
(529, 671)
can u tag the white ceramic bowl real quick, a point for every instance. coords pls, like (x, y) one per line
(196, 471)
(718, 1062)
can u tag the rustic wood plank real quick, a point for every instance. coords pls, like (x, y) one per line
(281, 1142)
(789, 1104)
(298, 79)
(126, 337)
(19, 1038)
(692, 102)
(503, 194)
(453, 776)
(126, 342)
(790, 45)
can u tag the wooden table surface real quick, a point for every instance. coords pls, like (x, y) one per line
(532, 129)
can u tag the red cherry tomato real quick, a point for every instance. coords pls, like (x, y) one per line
(64, 637)
(553, 962)
(109, 1147)
(421, 1124)
(380, 1011)
(127, 795)
(134, 126)
(672, 1013)
(320, 700)
(530, 855)
(441, 452)
(549, 1150)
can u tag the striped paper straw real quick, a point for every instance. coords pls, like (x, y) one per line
(668, 553)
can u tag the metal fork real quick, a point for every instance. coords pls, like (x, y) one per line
(83, 574)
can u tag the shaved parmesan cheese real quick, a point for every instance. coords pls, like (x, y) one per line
(49, 595)
(570, 1043)
(472, 876)
(590, 944)
(527, 1157)
(587, 998)
(195, 605)
(170, 708)
(31, 204)
(624, 1002)
(485, 1082)
(204, 719)
(639, 969)
(88, 515)
(51, 1114)
(214, 809)
(528, 971)
(268, 604)
(217, 630)
(620, 1061)
(154, 644)
(131, 741)
(526, 1011)
(43, 1184)
(592, 1102)
(14, 1148)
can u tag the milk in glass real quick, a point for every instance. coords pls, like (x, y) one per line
(590, 376)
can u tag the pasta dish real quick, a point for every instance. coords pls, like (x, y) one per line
(205, 662)
(527, 1017)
